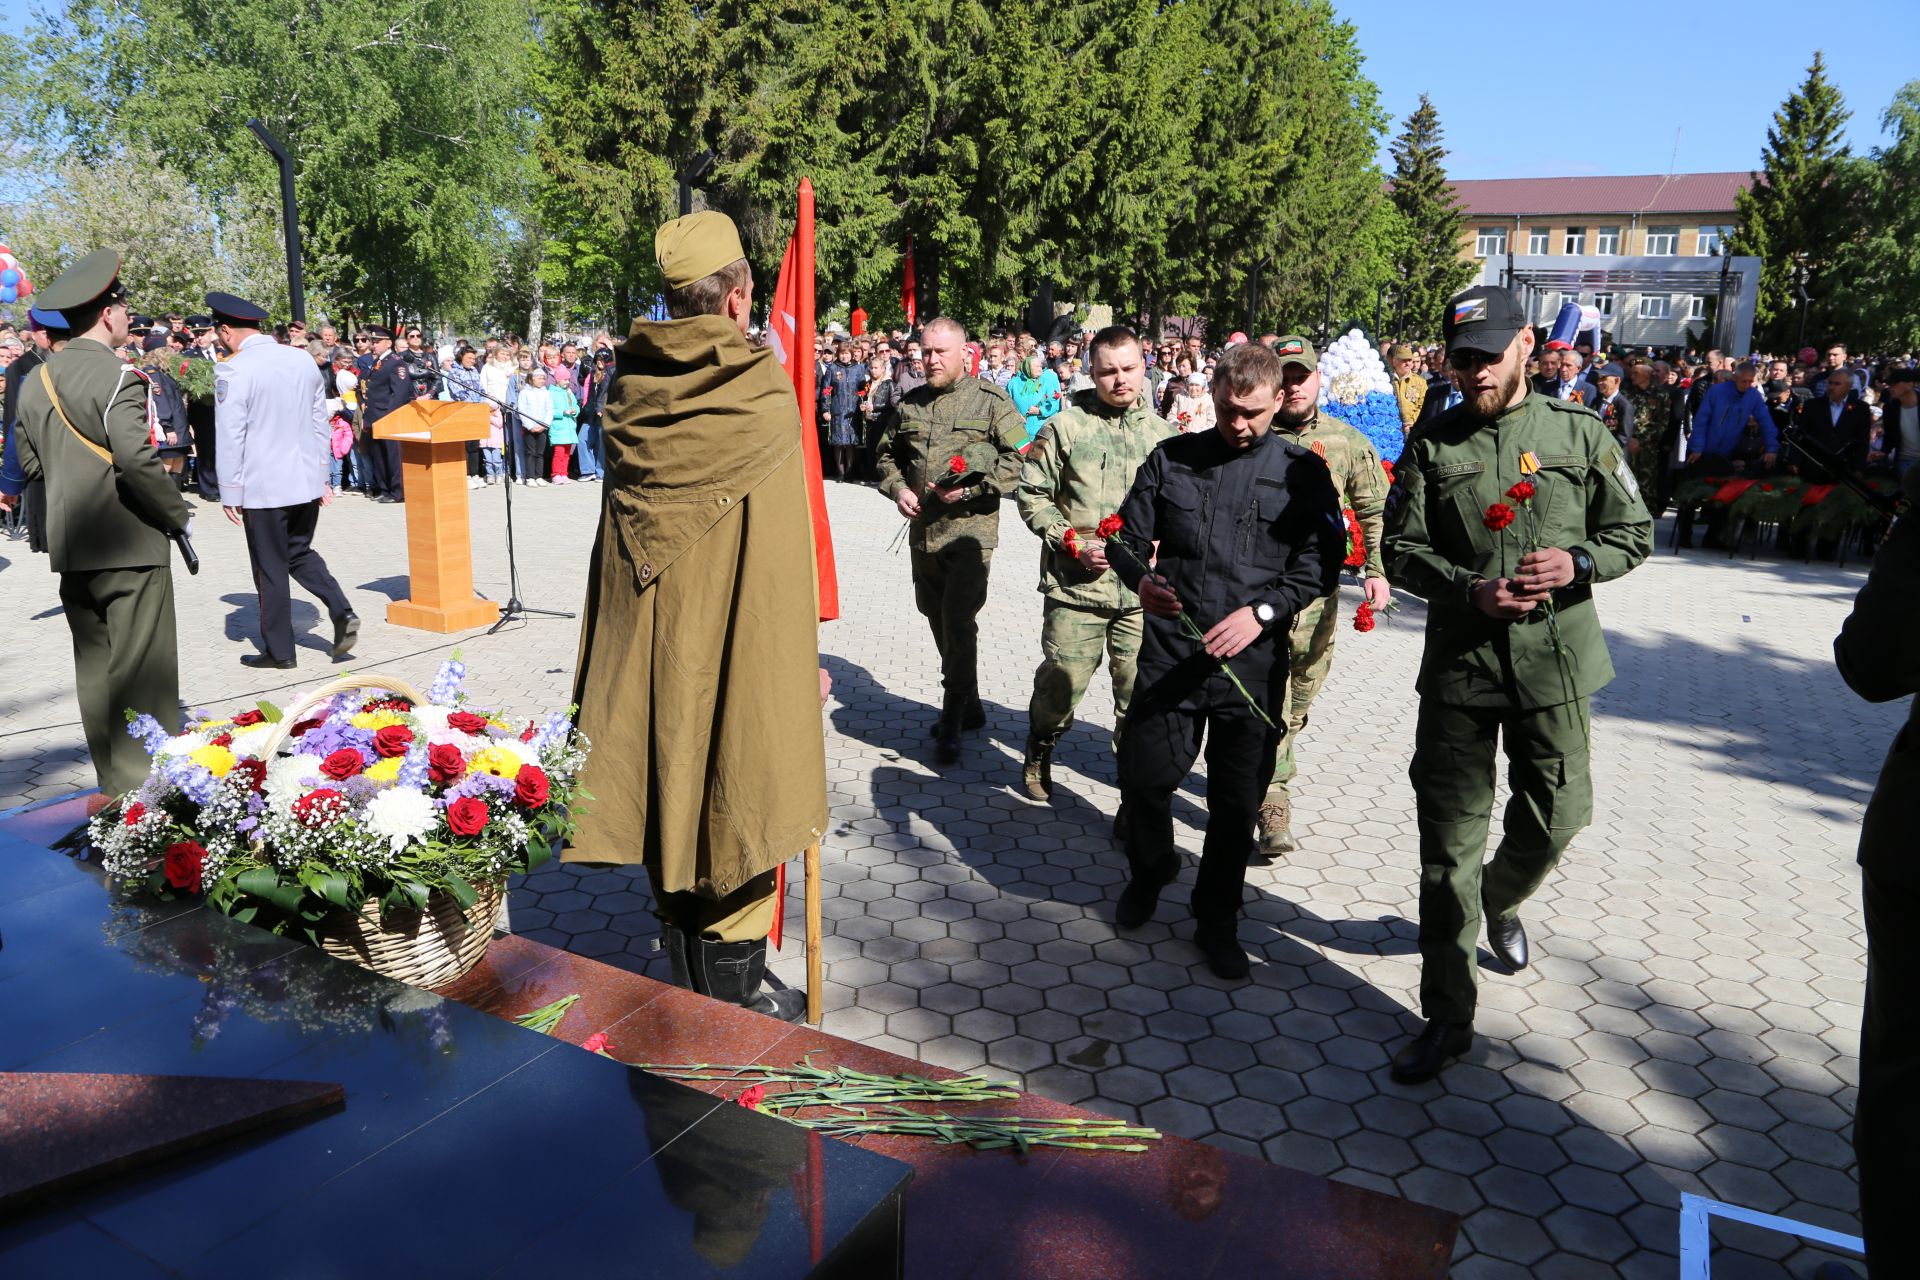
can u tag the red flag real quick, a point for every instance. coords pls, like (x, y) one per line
(907, 299)
(793, 329)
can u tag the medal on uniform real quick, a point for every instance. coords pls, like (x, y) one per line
(1528, 463)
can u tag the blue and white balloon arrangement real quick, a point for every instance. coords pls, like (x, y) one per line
(1354, 387)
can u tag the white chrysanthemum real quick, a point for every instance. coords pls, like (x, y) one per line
(400, 816)
(431, 721)
(185, 744)
(248, 741)
(289, 778)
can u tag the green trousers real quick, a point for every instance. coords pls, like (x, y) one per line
(1452, 775)
(1309, 660)
(125, 658)
(741, 916)
(949, 589)
(1073, 640)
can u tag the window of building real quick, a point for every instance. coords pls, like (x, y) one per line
(1655, 306)
(1663, 242)
(1607, 242)
(1712, 241)
(1697, 307)
(1576, 240)
(1604, 302)
(1539, 241)
(1490, 242)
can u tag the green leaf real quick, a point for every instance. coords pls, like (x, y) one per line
(273, 714)
(463, 893)
(335, 889)
(263, 883)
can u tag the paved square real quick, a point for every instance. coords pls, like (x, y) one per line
(1689, 1024)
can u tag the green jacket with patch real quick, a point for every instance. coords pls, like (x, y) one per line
(1077, 473)
(1438, 545)
(1357, 475)
(972, 419)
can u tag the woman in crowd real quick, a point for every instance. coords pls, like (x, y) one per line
(496, 381)
(1036, 393)
(462, 386)
(534, 412)
(170, 408)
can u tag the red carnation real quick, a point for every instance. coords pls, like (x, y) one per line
(1499, 516)
(246, 718)
(528, 733)
(388, 704)
(1386, 467)
(254, 771)
(343, 764)
(595, 1043)
(753, 1097)
(1109, 526)
(1521, 492)
(445, 763)
(393, 740)
(467, 816)
(530, 787)
(467, 722)
(1071, 540)
(1766, 488)
(135, 812)
(300, 730)
(223, 740)
(183, 864)
(1363, 617)
(956, 465)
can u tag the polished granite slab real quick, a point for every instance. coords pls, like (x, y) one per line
(465, 1145)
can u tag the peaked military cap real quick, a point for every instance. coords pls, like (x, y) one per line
(231, 310)
(83, 283)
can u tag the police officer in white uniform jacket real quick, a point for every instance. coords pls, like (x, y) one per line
(274, 451)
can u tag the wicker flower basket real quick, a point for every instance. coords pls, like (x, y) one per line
(427, 948)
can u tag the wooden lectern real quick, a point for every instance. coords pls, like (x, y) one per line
(433, 436)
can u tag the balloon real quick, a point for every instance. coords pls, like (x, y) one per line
(9, 294)
(9, 276)
(26, 289)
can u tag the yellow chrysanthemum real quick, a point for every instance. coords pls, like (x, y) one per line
(497, 761)
(215, 760)
(377, 720)
(384, 771)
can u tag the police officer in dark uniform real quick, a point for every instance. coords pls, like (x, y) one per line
(388, 384)
(206, 449)
(275, 440)
(111, 508)
(1249, 532)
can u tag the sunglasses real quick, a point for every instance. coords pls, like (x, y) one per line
(1466, 360)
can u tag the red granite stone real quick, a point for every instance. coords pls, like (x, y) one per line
(607, 994)
(43, 824)
(508, 960)
(680, 1027)
(59, 1129)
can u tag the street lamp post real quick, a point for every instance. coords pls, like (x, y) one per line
(1800, 291)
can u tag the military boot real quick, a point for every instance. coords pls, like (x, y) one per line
(947, 732)
(1276, 828)
(1037, 770)
(976, 715)
(735, 971)
(673, 940)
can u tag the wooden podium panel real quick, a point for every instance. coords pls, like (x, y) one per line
(433, 436)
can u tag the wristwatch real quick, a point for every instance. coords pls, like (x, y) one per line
(1582, 566)
(1265, 613)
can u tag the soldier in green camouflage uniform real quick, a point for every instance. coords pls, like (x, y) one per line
(955, 529)
(1077, 473)
(1363, 490)
(1652, 441)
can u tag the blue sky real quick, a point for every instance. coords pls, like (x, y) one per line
(1621, 78)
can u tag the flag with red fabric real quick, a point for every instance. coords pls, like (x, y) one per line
(908, 301)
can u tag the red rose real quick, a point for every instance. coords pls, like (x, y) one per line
(319, 807)
(1109, 526)
(530, 787)
(393, 740)
(254, 771)
(467, 722)
(1499, 516)
(343, 764)
(183, 865)
(467, 816)
(445, 763)
(956, 465)
(1521, 492)
(1363, 617)
(388, 704)
(246, 718)
(135, 812)
(300, 730)
(223, 740)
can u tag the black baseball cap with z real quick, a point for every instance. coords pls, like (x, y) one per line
(1484, 319)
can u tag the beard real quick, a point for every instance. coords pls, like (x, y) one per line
(1296, 417)
(1488, 405)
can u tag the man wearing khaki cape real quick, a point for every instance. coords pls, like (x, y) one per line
(698, 678)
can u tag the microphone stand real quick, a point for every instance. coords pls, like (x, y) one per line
(513, 608)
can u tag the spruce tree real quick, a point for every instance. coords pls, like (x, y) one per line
(1796, 210)
(1427, 259)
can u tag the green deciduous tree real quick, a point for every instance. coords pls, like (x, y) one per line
(1875, 271)
(1427, 265)
(1796, 213)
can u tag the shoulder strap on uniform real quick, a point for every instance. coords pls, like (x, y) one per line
(46, 379)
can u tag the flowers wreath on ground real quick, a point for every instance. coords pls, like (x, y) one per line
(370, 797)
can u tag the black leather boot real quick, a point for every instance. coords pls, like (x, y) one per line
(734, 972)
(947, 732)
(673, 940)
(1421, 1058)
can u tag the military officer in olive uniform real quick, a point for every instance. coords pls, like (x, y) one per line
(1498, 664)
(1409, 388)
(1362, 487)
(111, 508)
(1651, 445)
(1077, 473)
(955, 527)
(275, 447)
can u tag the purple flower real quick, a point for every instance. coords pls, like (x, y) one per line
(447, 682)
(148, 730)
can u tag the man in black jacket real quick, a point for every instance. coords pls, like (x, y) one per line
(389, 383)
(1840, 420)
(1249, 533)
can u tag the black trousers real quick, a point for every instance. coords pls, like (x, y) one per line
(1156, 753)
(280, 545)
(382, 471)
(1886, 1116)
(206, 466)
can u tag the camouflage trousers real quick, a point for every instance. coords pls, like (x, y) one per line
(1309, 659)
(1072, 642)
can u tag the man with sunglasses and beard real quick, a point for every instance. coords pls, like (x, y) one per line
(1509, 507)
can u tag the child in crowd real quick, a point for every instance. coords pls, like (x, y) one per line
(535, 410)
(563, 428)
